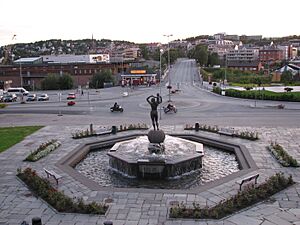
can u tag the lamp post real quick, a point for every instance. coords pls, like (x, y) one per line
(225, 79)
(169, 80)
(160, 53)
(21, 76)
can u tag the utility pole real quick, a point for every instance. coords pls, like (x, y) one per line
(169, 79)
(160, 53)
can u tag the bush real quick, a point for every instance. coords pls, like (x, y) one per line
(282, 156)
(266, 95)
(43, 150)
(55, 82)
(242, 200)
(55, 198)
(2, 105)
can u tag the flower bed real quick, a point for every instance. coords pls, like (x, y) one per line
(249, 135)
(242, 200)
(43, 150)
(2, 105)
(282, 156)
(204, 127)
(83, 133)
(62, 203)
(138, 126)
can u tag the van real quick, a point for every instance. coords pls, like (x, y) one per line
(18, 91)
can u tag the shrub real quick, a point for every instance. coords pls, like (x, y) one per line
(2, 105)
(242, 200)
(266, 95)
(43, 150)
(282, 156)
(83, 133)
(55, 198)
(138, 126)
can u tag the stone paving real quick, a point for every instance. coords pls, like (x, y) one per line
(145, 207)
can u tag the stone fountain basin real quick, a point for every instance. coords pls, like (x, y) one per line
(132, 158)
(68, 162)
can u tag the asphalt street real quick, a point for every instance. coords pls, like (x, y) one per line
(195, 103)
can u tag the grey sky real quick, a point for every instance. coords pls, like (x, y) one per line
(144, 20)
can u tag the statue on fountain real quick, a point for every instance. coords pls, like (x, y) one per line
(156, 137)
(154, 102)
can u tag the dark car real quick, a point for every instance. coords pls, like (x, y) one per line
(10, 98)
(31, 97)
(71, 96)
(43, 97)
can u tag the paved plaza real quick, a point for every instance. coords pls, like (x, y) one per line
(141, 207)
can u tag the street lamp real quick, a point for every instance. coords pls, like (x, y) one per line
(225, 79)
(169, 80)
(160, 54)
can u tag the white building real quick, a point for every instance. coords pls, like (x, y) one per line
(93, 58)
(243, 54)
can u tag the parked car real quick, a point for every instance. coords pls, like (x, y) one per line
(10, 98)
(43, 97)
(71, 96)
(31, 97)
(71, 103)
(1, 98)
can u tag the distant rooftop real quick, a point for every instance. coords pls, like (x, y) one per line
(28, 60)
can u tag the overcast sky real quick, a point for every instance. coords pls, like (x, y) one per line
(144, 20)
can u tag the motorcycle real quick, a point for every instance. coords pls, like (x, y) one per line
(170, 108)
(116, 109)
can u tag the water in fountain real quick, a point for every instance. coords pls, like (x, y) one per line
(216, 164)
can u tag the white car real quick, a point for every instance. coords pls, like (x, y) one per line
(43, 97)
(125, 94)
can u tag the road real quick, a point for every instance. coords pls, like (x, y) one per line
(194, 103)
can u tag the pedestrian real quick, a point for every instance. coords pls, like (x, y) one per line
(81, 92)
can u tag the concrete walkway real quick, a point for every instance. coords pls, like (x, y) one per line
(140, 207)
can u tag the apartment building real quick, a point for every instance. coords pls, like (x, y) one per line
(271, 55)
(243, 54)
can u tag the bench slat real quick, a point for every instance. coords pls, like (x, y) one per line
(53, 174)
(247, 179)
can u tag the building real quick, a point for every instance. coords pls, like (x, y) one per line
(250, 37)
(232, 37)
(29, 60)
(243, 54)
(219, 36)
(271, 55)
(253, 66)
(132, 53)
(32, 74)
(91, 58)
(138, 77)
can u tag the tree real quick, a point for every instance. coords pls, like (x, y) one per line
(200, 54)
(99, 79)
(213, 59)
(50, 82)
(144, 51)
(65, 81)
(287, 77)
(55, 82)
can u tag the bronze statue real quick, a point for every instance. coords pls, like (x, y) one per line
(154, 102)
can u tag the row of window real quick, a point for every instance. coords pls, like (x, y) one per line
(86, 71)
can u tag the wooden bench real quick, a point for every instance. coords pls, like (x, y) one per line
(53, 174)
(226, 131)
(247, 179)
(103, 132)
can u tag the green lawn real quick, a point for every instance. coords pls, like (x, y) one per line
(10, 136)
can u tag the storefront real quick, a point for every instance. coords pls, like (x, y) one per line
(138, 77)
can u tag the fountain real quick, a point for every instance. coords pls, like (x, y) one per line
(160, 156)
(156, 156)
(166, 161)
